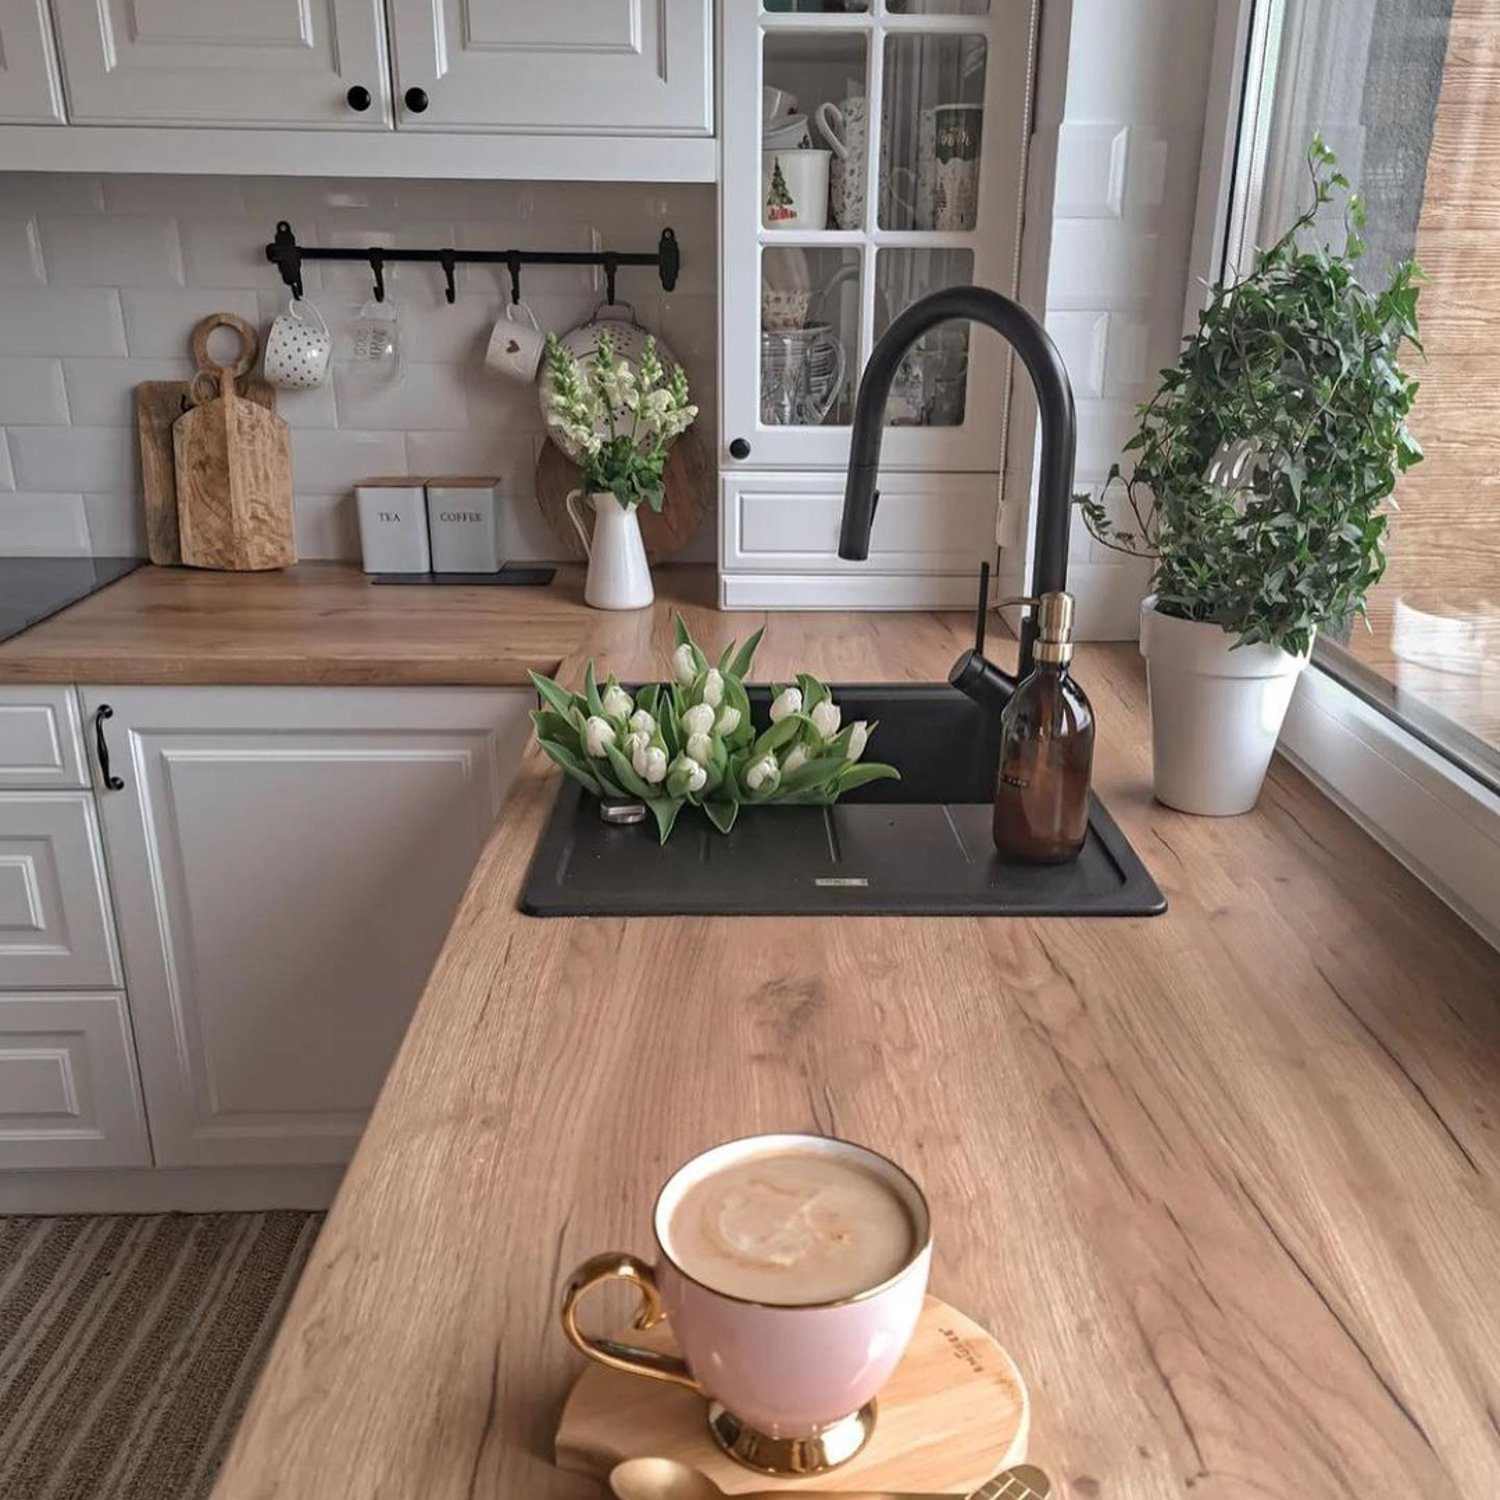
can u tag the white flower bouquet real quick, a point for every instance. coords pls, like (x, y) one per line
(691, 741)
(620, 420)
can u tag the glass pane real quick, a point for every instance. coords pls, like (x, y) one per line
(809, 322)
(1411, 110)
(938, 7)
(932, 132)
(817, 7)
(812, 109)
(931, 386)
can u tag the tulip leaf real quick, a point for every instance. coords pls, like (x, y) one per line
(812, 773)
(553, 726)
(647, 698)
(572, 765)
(813, 691)
(745, 655)
(591, 692)
(726, 656)
(780, 733)
(552, 693)
(665, 810)
(626, 776)
(866, 771)
(722, 814)
(680, 631)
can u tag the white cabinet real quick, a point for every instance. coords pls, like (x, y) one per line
(55, 926)
(275, 63)
(41, 738)
(575, 66)
(30, 89)
(69, 1096)
(286, 862)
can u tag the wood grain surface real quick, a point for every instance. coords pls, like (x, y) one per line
(1223, 1181)
(954, 1413)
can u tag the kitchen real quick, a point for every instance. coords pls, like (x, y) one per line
(1215, 1183)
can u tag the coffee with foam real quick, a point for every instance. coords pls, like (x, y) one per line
(792, 1228)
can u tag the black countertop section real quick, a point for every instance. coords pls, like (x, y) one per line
(31, 588)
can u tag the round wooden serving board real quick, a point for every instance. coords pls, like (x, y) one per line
(954, 1414)
(665, 532)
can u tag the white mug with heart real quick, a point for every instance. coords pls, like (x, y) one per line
(298, 348)
(517, 344)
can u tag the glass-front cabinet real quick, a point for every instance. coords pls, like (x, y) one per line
(874, 151)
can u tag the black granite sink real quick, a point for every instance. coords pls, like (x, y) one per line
(917, 846)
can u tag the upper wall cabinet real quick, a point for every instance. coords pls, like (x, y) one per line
(30, 92)
(555, 65)
(225, 62)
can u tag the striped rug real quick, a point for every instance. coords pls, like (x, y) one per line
(129, 1344)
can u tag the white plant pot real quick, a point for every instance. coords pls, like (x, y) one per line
(1216, 711)
(619, 576)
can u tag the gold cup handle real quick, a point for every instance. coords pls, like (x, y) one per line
(612, 1266)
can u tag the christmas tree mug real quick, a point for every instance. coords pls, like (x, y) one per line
(794, 189)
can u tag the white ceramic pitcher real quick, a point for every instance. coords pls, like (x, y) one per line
(619, 576)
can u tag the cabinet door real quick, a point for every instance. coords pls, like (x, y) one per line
(30, 90)
(225, 62)
(68, 1090)
(286, 863)
(575, 66)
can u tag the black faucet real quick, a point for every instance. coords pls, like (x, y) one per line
(971, 673)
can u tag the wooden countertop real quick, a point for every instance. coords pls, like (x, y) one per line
(318, 623)
(1224, 1181)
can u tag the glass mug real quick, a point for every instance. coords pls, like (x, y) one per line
(791, 1387)
(796, 389)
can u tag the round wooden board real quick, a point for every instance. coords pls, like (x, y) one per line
(665, 532)
(954, 1414)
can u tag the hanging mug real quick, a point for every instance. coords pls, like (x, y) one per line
(517, 344)
(298, 348)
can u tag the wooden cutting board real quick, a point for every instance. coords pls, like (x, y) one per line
(234, 468)
(158, 404)
(666, 532)
(955, 1412)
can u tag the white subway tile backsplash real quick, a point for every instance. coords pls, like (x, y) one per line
(327, 463)
(51, 192)
(73, 459)
(1091, 159)
(20, 253)
(426, 398)
(326, 526)
(111, 250)
(58, 321)
(31, 390)
(117, 525)
(230, 253)
(159, 324)
(43, 525)
(1101, 264)
(164, 193)
(101, 391)
(510, 459)
(310, 408)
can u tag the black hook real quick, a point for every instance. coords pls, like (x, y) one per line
(447, 258)
(611, 264)
(377, 270)
(668, 260)
(284, 254)
(513, 265)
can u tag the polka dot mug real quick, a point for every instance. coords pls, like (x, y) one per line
(297, 348)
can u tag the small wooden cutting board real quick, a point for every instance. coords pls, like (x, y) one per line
(955, 1413)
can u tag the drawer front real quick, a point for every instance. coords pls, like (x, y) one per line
(41, 739)
(924, 523)
(56, 930)
(69, 1095)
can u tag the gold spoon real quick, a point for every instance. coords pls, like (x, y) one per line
(666, 1479)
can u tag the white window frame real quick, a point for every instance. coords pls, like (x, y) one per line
(1440, 821)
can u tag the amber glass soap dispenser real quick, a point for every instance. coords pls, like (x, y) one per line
(1046, 749)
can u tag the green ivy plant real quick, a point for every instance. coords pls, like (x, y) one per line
(691, 742)
(1297, 364)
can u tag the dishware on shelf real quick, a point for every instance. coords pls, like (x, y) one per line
(846, 128)
(298, 348)
(233, 464)
(776, 104)
(957, 132)
(954, 1414)
(516, 344)
(793, 133)
(784, 307)
(794, 189)
(801, 375)
(670, 1479)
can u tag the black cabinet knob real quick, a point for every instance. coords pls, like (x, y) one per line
(359, 98)
(739, 448)
(416, 100)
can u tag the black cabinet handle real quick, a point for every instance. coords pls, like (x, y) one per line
(358, 97)
(416, 100)
(103, 712)
(739, 448)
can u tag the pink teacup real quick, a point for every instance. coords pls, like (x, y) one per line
(791, 1388)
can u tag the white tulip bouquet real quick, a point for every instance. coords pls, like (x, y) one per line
(617, 420)
(691, 741)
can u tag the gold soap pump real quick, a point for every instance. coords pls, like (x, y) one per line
(1046, 746)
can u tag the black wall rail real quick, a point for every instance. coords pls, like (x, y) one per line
(287, 256)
